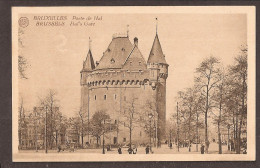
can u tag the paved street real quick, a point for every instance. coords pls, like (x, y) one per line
(213, 149)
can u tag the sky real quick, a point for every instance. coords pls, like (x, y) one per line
(55, 53)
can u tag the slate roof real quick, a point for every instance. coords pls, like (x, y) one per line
(135, 60)
(156, 54)
(116, 53)
(88, 64)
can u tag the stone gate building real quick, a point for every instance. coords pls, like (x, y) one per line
(122, 74)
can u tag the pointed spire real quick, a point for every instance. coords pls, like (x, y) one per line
(156, 53)
(89, 42)
(156, 24)
(88, 64)
(127, 31)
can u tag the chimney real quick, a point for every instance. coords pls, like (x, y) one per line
(136, 41)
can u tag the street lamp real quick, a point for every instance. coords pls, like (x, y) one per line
(228, 126)
(150, 115)
(103, 137)
(46, 148)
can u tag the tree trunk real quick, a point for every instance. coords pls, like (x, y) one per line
(130, 131)
(219, 139)
(189, 132)
(197, 132)
(82, 138)
(56, 138)
(237, 139)
(219, 124)
(206, 122)
(242, 117)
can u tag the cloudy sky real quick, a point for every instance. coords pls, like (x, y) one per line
(56, 54)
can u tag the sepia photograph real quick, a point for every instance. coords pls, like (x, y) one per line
(133, 83)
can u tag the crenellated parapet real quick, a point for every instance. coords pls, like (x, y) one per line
(115, 76)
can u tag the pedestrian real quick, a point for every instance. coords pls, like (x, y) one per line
(59, 148)
(147, 150)
(119, 150)
(130, 150)
(134, 150)
(232, 146)
(202, 149)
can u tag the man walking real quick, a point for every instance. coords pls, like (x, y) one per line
(147, 150)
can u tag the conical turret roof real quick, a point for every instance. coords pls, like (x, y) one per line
(156, 54)
(89, 64)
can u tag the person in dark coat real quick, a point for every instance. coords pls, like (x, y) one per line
(232, 146)
(119, 150)
(130, 150)
(59, 148)
(202, 149)
(134, 150)
(147, 150)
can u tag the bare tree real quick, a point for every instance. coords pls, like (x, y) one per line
(49, 104)
(239, 76)
(22, 61)
(83, 125)
(219, 98)
(98, 125)
(131, 116)
(206, 80)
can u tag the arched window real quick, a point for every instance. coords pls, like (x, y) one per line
(105, 97)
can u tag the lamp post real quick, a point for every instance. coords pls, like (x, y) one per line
(156, 131)
(150, 115)
(46, 150)
(103, 137)
(228, 126)
(178, 128)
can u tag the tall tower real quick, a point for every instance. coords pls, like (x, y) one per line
(88, 67)
(158, 74)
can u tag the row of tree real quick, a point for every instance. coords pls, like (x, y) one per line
(133, 115)
(44, 125)
(219, 95)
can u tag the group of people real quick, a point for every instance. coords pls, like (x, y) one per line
(130, 150)
(134, 150)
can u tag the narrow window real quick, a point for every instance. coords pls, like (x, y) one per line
(95, 97)
(139, 62)
(105, 97)
(115, 121)
(131, 63)
(124, 139)
(115, 96)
